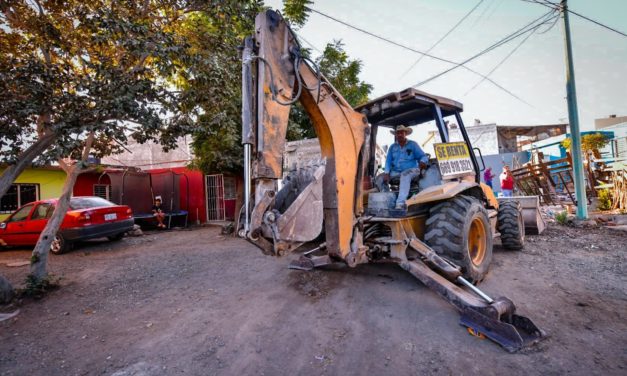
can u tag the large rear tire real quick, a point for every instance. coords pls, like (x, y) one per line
(511, 226)
(459, 230)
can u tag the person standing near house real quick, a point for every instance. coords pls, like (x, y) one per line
(157, 211)
(405, 159)
(507, 182)
(488, 176)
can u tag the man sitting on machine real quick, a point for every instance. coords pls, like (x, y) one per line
(405, 159)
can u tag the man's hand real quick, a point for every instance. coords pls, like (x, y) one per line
(423, 166)
(386, 177)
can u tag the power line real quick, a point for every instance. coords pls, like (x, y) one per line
(483, 14)
(494, 9)
(442, 38)
(418, 52)
(524, 30)
(501, 62)
(308, 42)
(551, 5)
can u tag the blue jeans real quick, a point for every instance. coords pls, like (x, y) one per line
(507, 193)
(405, 183)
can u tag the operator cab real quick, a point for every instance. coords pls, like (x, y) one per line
(411, 108)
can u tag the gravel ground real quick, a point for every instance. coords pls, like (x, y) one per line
(198, 303)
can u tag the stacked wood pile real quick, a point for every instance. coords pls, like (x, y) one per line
(619, 189)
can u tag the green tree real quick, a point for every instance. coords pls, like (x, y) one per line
(296, 11)
(79, 77)
(72, 67)
(343, 73)
(213, 83)
(589, 142)
(211, 87)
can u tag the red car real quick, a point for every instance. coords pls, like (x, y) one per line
(87, 218)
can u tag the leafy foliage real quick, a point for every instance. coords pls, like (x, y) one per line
(605, 199)
(561, 217)
(38, 288)
(343, 73)
(72, 67)
(211, 86)
(296, 11)
(589, 142)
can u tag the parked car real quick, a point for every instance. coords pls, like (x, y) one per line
(87, 218)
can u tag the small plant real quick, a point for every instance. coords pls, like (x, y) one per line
(37, 288)
(605, 199)
(561, 217)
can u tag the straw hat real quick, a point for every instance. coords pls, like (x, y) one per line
(402, 128)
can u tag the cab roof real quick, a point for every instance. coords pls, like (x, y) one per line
(408, 107)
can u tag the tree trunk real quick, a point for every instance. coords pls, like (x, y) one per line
(6, 290)
(39, 259)
(13, 171)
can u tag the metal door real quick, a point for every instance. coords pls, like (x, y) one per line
(215, 197)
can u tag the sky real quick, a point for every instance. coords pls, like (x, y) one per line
(535, 72)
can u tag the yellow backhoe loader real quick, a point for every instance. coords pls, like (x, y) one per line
(443, 235)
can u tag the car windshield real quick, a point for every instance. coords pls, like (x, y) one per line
(88, 202)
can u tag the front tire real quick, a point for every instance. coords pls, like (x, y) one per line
(511, 226)
(459, 230)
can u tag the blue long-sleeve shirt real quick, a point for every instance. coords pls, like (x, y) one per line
(403, 158)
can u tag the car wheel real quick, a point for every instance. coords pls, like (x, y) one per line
(116, 237)
(60, 245)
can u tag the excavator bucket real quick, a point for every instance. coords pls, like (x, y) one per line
(532, 217)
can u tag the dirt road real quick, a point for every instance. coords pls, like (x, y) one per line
(197, 303)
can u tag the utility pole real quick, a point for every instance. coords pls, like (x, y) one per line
(573, 119)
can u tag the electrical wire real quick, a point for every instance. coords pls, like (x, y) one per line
(442, 38)
(502, 61)
(418, 52)
(483, 14)
(557, 6)
(308, 42)
(522, 31)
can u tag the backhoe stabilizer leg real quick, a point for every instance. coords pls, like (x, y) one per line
(308, 263)
(496, 320)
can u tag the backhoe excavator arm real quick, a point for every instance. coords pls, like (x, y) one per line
(276, 75)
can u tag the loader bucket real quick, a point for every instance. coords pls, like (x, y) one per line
(532, 218)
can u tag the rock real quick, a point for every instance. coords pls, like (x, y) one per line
(19, 263)
(7, 316)
(136, 231)
(620, 220)
(585, 223)
(6, 290)
(621, 228)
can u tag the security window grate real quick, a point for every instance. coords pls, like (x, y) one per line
(102, 191)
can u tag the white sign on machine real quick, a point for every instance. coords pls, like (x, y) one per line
(453, 159)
